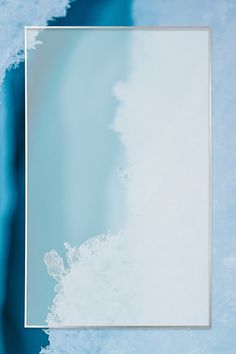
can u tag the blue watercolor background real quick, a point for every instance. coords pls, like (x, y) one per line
(220, 338)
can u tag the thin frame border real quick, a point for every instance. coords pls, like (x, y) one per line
(210, 140)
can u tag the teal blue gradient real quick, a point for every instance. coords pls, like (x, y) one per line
(70, 117)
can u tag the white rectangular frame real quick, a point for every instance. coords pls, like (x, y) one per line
(210, 235)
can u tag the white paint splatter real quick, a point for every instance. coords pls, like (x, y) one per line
(14, 15)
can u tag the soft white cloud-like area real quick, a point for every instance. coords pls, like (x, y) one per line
(14, 15)
(32, 40)
(156, 270)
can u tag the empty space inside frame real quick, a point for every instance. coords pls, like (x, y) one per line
(118, 177)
